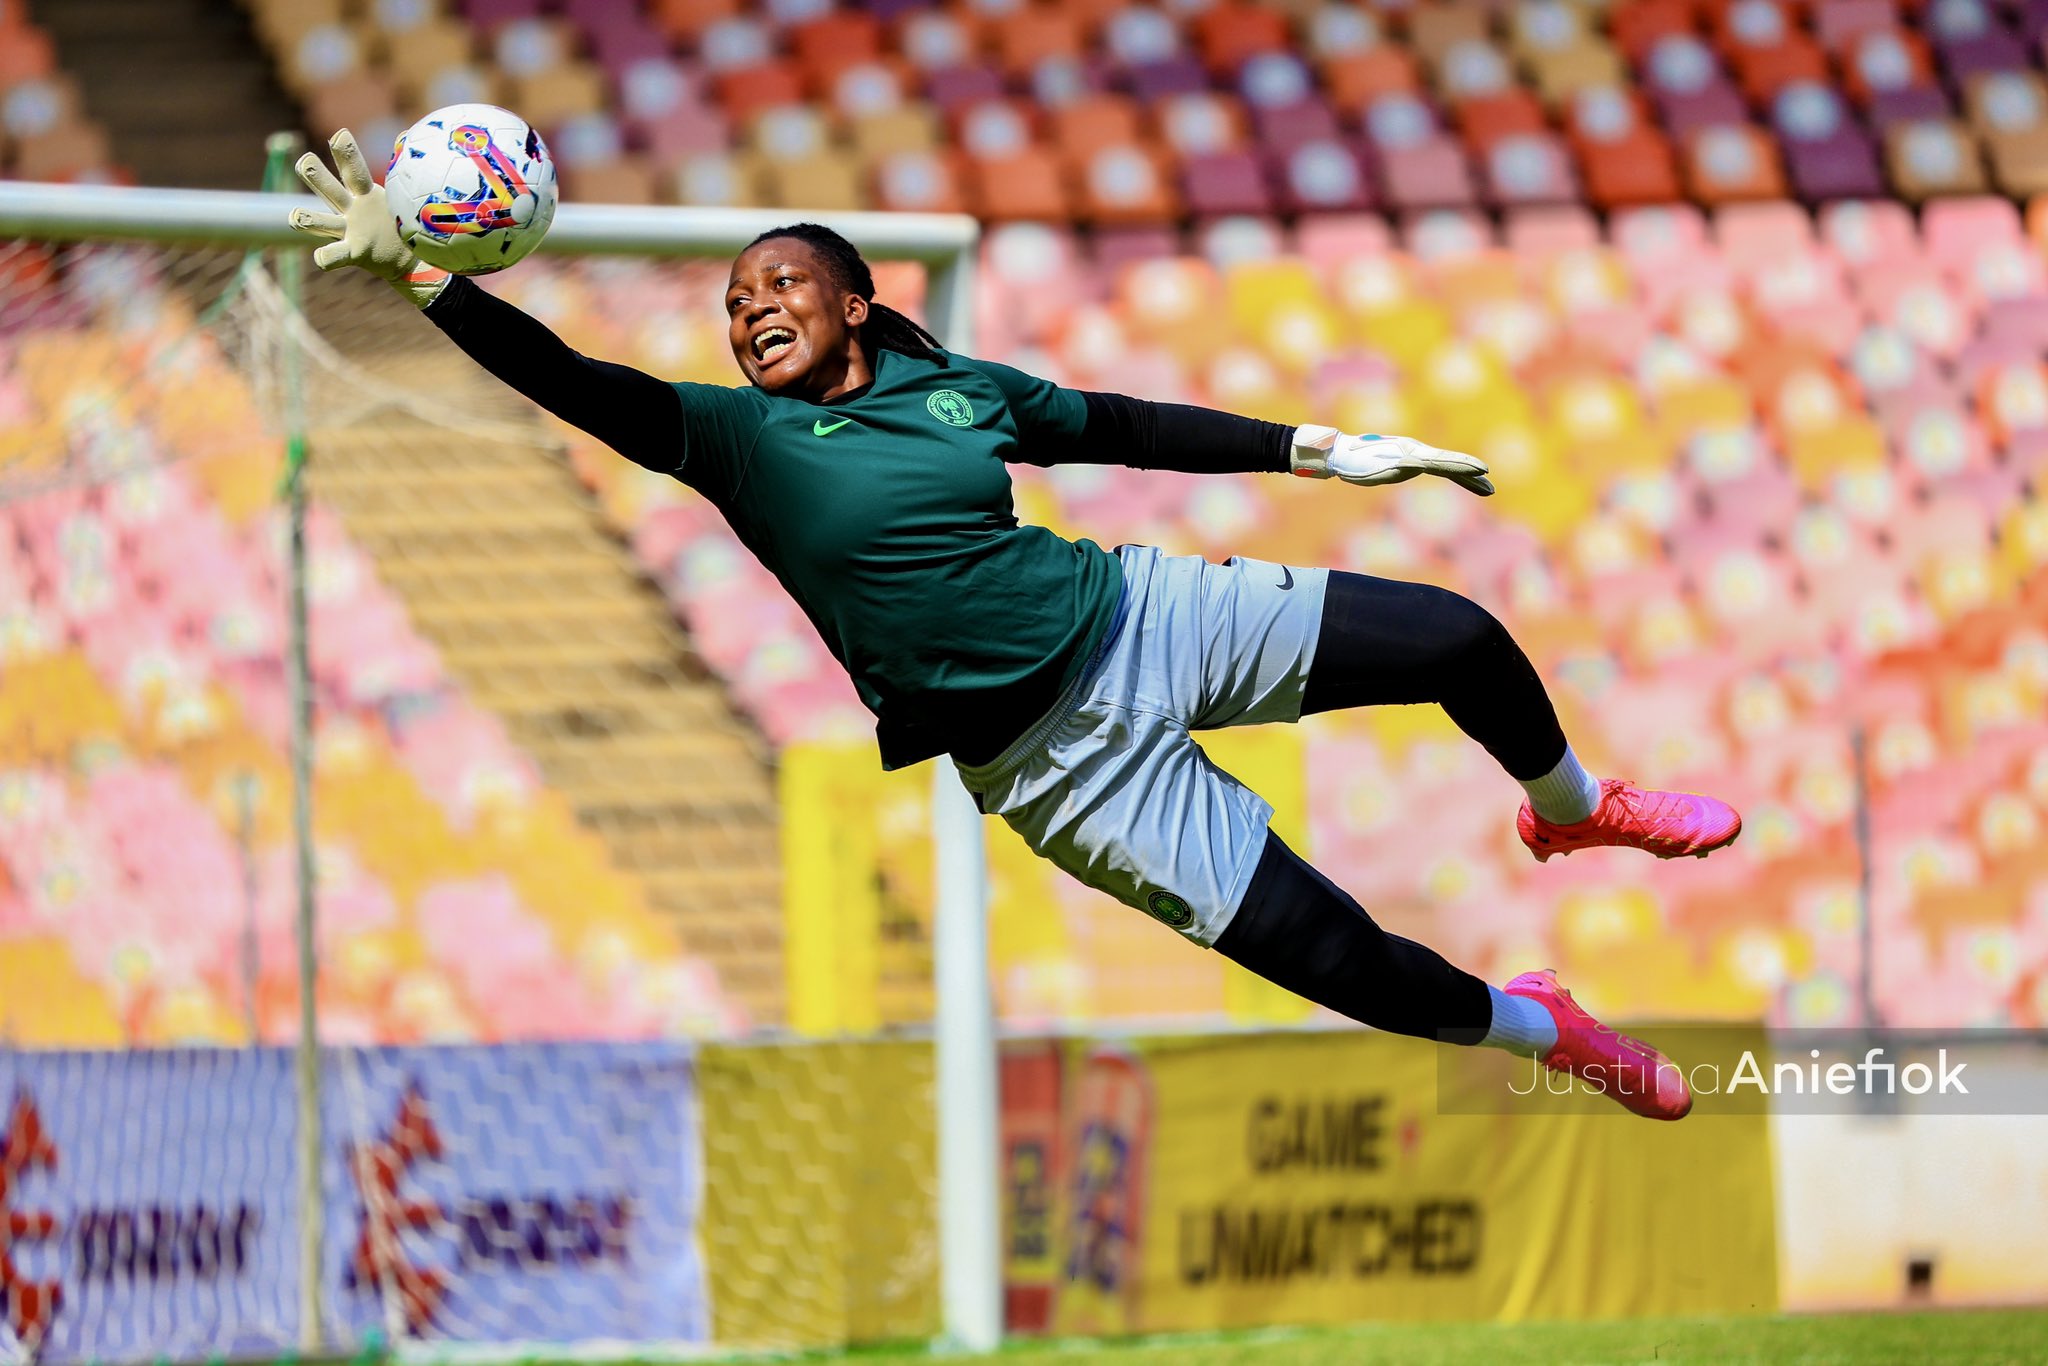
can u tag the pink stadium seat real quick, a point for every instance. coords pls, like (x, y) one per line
(1657, 238)
(1334, 239)
(1954, 232)
(1753, 236)
(1541, 233)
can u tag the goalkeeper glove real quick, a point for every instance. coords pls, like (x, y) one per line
(361, 230)
(1325, 452)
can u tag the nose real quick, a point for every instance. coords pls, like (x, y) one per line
(758, 310)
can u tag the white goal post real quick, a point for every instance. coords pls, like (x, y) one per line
(946, 245)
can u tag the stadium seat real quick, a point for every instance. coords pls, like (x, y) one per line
(1928, 157)
(1227, 183)
(909, 128)
(1126, 183)
(1079, 129)
(1827, 155)
(1485, 120)
(1528, 168)
(1727, 162)
(1354, 80)
(1027, 185)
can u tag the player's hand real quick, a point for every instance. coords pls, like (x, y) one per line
(1326, 453)
(361, 231)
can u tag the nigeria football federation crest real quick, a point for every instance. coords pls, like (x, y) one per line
(1169, 909)
(951, 407)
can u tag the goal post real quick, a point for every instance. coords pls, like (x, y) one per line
(946, 246)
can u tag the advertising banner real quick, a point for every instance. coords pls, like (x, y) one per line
(530, 1193)
(1235, 1181)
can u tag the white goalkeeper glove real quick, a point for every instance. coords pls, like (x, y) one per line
(1326, 453)
(361, 230)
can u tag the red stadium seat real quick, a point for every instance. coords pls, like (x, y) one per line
(1355, 81)
(1484, 122)
(25, 54)
(745, 92)
(1033, 33)
(825, 46)
(1128, 183)
(1078, 129)
(1729, 163)
(1637, 168)
(687, 19)
(1637, 28)
(1228, 33)
(1026, 185)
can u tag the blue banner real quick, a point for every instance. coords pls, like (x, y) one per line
(533, 1193)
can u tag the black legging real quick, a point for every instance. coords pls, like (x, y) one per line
(1299, 930)
(1385, 642)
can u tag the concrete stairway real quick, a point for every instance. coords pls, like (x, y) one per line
(181, 86)
(510, 569)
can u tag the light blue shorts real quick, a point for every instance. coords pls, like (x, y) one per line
(1111, 786)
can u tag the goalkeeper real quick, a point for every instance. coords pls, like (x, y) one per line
(867, 467)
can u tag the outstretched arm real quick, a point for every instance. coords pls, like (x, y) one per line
(1067, 426)
(634, 413)
(629, 410)
(1175, 436)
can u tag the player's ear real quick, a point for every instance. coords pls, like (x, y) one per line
(856, 310)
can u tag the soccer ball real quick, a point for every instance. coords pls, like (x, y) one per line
(473, 188)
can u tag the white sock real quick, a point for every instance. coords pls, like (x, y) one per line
(1520, 1025)
(1567, 794)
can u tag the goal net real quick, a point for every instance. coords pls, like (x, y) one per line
(547, 694)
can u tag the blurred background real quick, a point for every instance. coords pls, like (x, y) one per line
(1744, 301)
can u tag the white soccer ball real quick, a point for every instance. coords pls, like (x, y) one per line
(473, 188)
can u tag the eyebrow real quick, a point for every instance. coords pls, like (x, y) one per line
(771, 266)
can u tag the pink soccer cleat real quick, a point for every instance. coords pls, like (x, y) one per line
(1667, 824)
(1641, 1079)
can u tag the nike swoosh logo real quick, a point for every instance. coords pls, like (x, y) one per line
(818, 428)
(1286, 578)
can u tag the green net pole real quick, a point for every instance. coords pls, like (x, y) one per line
(283, 149)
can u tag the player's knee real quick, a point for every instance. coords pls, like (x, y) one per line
(1471, 634)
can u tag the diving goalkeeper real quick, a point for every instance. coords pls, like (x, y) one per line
(866, 466)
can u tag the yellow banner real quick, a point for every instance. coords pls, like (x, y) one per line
(820, 1217)
(1308, 1178)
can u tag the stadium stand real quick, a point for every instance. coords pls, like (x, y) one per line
(143, 738)
(1117, 114)
(45, 133)
(1771, 445)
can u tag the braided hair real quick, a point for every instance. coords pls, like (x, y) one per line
(885, 329)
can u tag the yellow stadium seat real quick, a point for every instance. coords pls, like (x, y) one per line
(551, 98)
(909, 128)
(1172, 302)
(1693, 406)
(1817, 454)
(1299, 335)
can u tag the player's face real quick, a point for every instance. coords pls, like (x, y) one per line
(791, 327)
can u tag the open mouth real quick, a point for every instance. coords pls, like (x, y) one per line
(770, 343)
